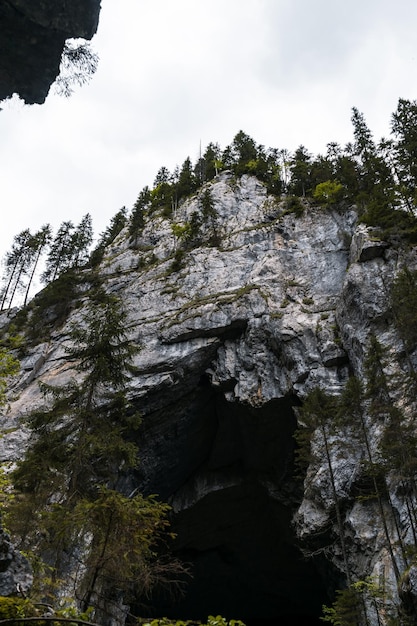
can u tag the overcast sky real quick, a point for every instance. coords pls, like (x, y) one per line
(174, 73)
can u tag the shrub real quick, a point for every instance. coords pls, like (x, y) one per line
(328, 193)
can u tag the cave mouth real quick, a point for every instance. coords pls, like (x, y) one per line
(233, 522)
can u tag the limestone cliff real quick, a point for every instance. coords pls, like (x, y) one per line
(233, 337)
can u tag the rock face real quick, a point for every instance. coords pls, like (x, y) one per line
(33, 37)
(232, 340)
(15, 573)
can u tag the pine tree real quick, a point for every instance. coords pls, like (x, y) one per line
(319, 413)
(300, 167)
(211, 162)
(404, 130)
(81, 241)
(17, 264)
(40, 240)
(137, 218)
(77, 453)
(186, 181)
(117, 223)
(60, 253)
(9, 366)
(403, 298)
(381, 406)
(351, 413)
(78, 441)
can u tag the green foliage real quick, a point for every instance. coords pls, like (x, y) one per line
(209, 218)
(9, 366)
(17, 263)
(380, 178)
(212, 620)
(117, 223)
(71, 438)
(404, 124)
(181, 231)
(79, 449)
(178, 261)
(126, 532)
(293, 204)
(300, 168)
(137, 218)
(69, 248)
(13, 607)
(187, 182)
(328, 193)
(404, 306)
(360, 603)
(52, 305)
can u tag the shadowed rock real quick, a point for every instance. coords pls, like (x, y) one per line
(32, 40)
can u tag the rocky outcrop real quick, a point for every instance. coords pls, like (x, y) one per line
(32, 41)
(15, 573)
(232, 340)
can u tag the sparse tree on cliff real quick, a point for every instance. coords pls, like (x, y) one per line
(137, 218)
(17, 265)
(351, 412)
(60, 253)
(77, 452)
(300, 169)
(9, 366)
(404, 130)
(78, 64)
(117, 223)
(40, 240)
(318, 413)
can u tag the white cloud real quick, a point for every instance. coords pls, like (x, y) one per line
(174, 74)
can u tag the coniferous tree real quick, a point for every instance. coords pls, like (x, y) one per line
(186, 180)
(86, 417)
(40, 240)
(9, 366)
(209, 216)
(300, 168)
(404, 130)
(77, 453)
(243, 151)
(381, 406)
(17, 264)
(403, 298)
(117, 223)
(60, 253)
(81, 241)
(321, 171)
(163, 194)
(361, 604)
(212, 163)
(351, 412)
(272, 177)
(137, 218)
(318, 413)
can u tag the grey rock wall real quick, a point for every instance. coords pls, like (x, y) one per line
(231, 343)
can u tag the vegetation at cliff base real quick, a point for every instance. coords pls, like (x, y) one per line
(67, 486)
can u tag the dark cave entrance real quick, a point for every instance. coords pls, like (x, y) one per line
(233, 516)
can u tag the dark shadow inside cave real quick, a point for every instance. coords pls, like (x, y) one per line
(233, 515)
